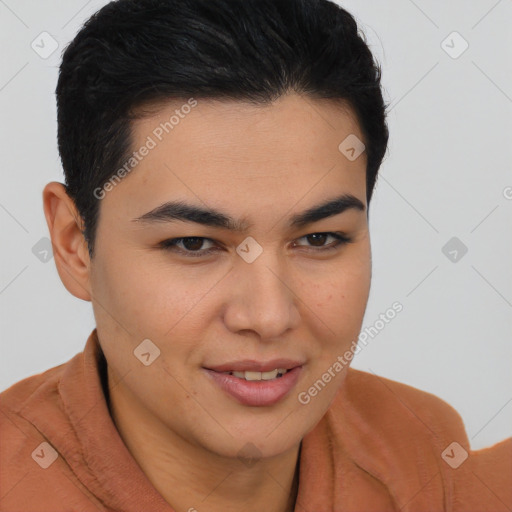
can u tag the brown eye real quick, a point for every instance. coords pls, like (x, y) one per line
(193, 244)
(189, 246)
(317, 240)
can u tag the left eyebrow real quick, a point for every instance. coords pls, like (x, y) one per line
(182, 211)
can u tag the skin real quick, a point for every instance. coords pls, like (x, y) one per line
(263, 164)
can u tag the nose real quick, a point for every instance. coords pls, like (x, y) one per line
(261, 299)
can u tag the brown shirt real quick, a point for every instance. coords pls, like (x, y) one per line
(381, 446)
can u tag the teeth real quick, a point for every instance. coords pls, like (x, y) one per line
(278, 372)
(252, 375)
(269, 375)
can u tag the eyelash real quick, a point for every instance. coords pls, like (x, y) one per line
(171, 244)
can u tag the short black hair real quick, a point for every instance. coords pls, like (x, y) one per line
(135, 53)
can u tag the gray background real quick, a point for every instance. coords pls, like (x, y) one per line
(447, 174)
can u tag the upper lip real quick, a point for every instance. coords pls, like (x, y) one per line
(250, 365)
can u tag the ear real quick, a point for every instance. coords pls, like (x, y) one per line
(69, 246)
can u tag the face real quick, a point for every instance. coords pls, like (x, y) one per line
(273, 293)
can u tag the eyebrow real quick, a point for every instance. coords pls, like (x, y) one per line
(182, 211)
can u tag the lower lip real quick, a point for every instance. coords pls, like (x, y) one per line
(256, 393)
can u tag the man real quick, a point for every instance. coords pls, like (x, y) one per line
(220, 158)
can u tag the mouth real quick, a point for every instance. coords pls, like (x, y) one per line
(259, 376)
(259, 386)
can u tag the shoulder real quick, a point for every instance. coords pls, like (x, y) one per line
(14, 397)
(29, 465)
(381, 399)
(391, 428)
(18, 435)
(393, 424)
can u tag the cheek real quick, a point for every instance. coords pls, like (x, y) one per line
(148, 299)
(340, 309)
(338, 320)
(343, 301)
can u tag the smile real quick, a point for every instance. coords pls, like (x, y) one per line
(274, 374)
(253, 388)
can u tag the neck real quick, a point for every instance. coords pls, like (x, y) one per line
(190, 477)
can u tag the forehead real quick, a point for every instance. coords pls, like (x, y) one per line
(241, 126)
(238, 154)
